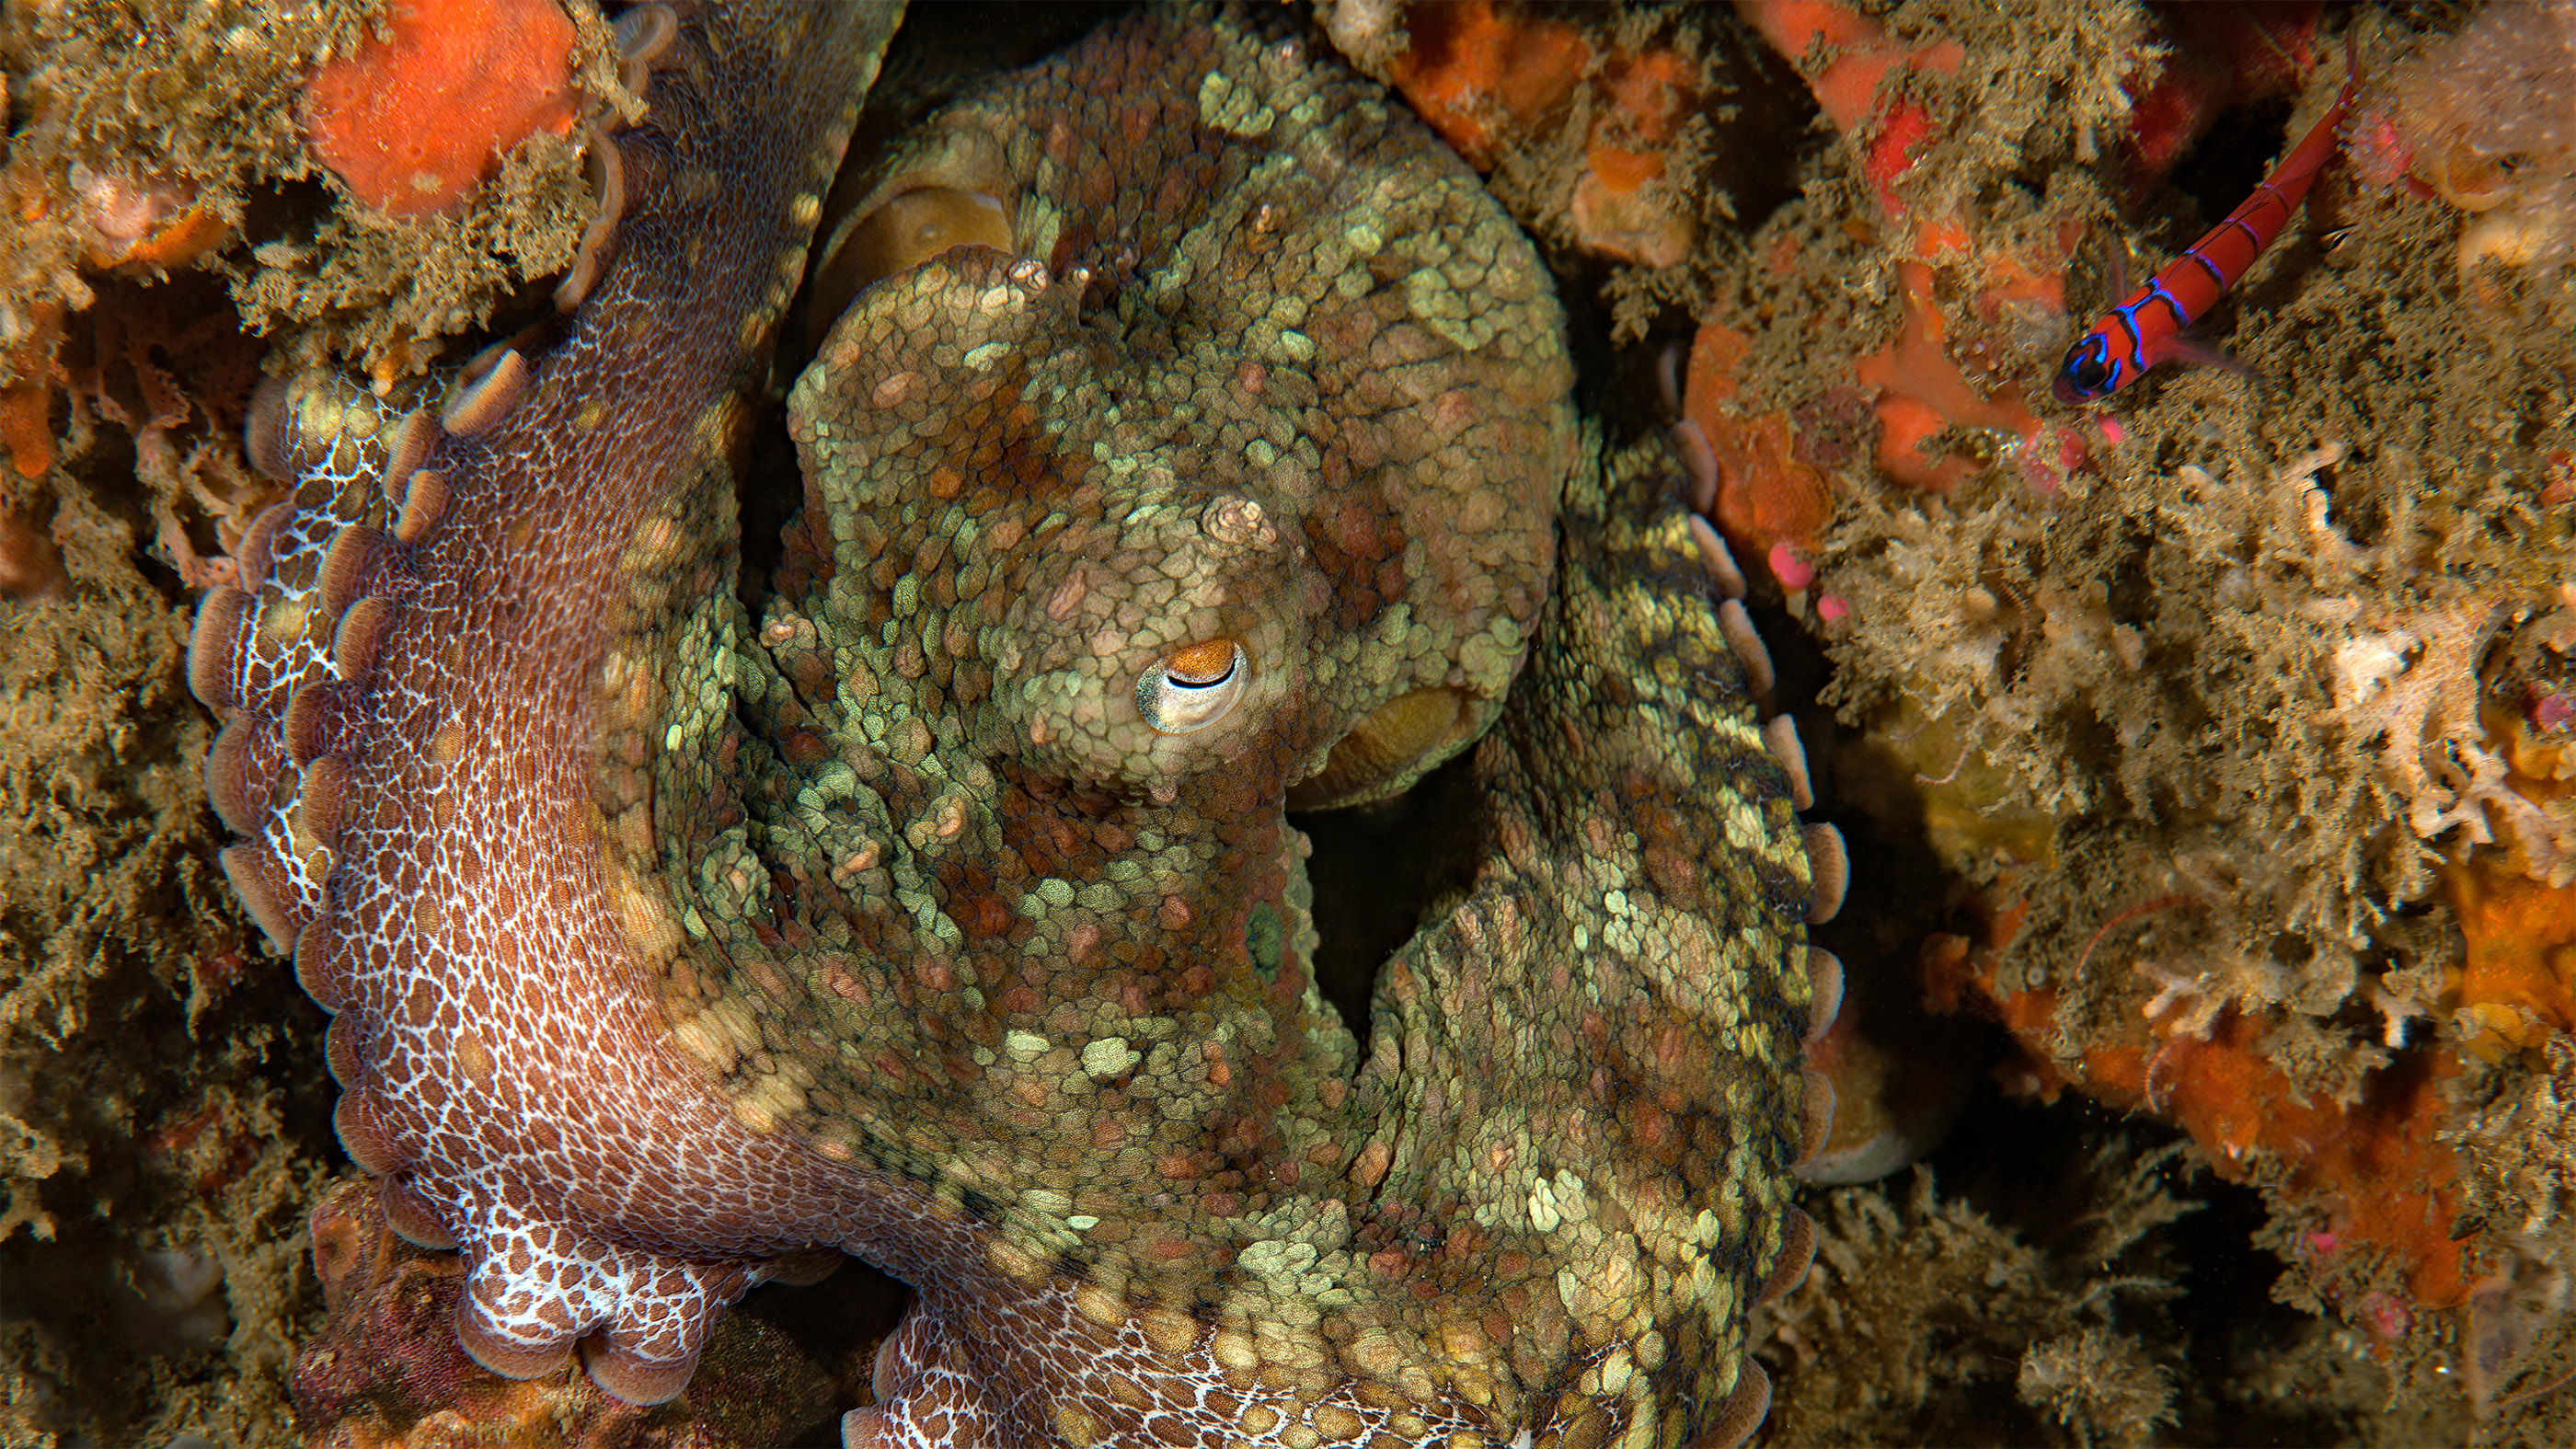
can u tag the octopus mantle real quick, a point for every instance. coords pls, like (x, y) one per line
(1196, 441)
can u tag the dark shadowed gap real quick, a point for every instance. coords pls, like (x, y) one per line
(1379, 872)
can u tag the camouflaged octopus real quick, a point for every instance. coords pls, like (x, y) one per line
(1197, 443)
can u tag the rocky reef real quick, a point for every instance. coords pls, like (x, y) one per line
(2207, 754)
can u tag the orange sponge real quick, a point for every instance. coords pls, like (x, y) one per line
(1488, 77)
(2375, 1169)
(419, 118)
(27, 377)
(1923, 393)
(2517, 984)
(1766, 494)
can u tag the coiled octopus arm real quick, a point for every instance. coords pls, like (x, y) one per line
(424, 657)
(1196, 444)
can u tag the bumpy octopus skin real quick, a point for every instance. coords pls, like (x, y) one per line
(949, 914)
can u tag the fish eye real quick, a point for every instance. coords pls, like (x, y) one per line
(2087, 369)
(1190, 689)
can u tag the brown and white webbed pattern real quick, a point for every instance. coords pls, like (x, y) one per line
(408, 674)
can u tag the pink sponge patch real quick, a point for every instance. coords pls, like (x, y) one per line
(1792, 571)
(2380, 152)
(2551, 711)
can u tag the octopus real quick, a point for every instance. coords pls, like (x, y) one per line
(1195, 444)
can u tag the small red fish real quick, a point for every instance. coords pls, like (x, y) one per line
(2135, 336)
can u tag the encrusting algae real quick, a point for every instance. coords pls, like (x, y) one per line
(2212, 749)
(2507, 165)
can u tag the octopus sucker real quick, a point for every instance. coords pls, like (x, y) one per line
(1745, 1408)
(1830, 866)
(606, 163)
(1196, 439)
(1824, 991)
(1715, 556)
(1749, 648)
(487, 397)
(1780, 736)
(1699, 464)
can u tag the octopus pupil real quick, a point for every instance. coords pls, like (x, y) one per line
(1191, 689)
(1183, 681)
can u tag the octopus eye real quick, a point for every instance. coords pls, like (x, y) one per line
(1189, 689)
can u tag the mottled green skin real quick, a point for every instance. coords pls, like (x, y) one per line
(947, 906)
